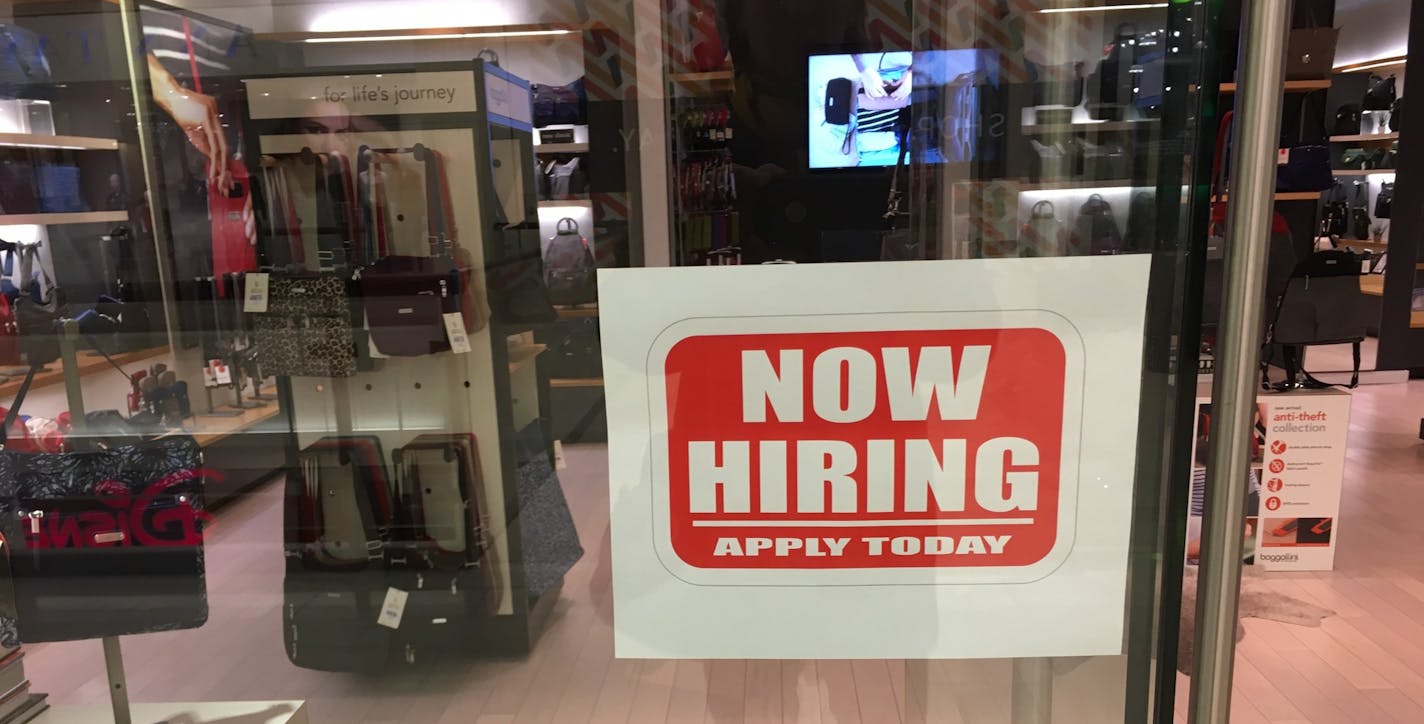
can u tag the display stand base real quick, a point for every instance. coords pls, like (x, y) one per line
(247, 712)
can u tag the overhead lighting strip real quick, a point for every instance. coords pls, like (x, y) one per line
(1104, 8)
(435, 36)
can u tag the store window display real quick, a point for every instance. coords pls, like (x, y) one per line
(363, 453)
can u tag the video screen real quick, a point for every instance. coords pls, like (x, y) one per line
(863, 105)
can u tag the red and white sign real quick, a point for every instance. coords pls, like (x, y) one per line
(852, 440)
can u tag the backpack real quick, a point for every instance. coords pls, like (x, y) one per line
(570, 270)
(1396, 110)
(1347, 121)
(1142, 222)
(1380, 94)
(1384, 201)
(1095, 231)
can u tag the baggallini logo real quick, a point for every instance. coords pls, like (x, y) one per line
(869, 455)
(156, 517)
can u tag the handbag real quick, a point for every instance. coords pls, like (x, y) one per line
(104, 542)
(1355, 159)
(1041, 235)
(1384, 200)
(566, 179)
(1360, 213)
(1110, 84)
(1347, 121)
(406, 300)
(1396, 114)
(306, 330)
(1095, 231)
(1379, 94)
(1305, 166)
(1335, 216)
(560, 105)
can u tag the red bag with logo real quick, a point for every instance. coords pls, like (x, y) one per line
(234, 231)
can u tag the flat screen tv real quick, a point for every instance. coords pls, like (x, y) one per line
(859, 101)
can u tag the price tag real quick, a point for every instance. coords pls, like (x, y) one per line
(393, 608)
(455, 331)
(222, 374)
(256, 299)
(1283, 157)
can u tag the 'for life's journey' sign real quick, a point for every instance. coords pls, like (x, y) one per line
(930, 460)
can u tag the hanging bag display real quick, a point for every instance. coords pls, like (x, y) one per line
(570, 270)
(1347, 120)
(1335, 213)
(898, 242)
(104, 542)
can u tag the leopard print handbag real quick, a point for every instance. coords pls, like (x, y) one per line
(307, 329)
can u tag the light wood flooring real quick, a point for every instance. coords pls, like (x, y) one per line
(1364, 665)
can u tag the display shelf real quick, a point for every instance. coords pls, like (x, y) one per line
(90, 363)
(576, 382)
(1366, 172)
(1287, 196)
(712, 78)
(577, 311)
(1071, 184)
(1372, 285)
(1048, 129)
(1416, 320)
(83, 217)
(544, 148)
(1365, 137)
(582, 203)
(1370, 245)
(68, 143)
(1290, 86)
(212, 429)
(522, 354)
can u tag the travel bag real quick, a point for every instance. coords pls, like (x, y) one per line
(338, 518)
(306, 330)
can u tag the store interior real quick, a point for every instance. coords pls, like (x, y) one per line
(353, 140)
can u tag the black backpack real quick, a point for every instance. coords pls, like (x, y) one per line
(570, 271)
(1096, 230)
(1142, 222)
(1396, 110)
(1384, 201)
(1380, 94)
(1347, 121)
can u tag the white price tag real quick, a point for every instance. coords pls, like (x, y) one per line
(256, 299)
(1283, 157)
(455, 330)
(393, 609)
(222, 374)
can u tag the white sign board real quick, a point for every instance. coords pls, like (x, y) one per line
(885, 460)
(378, 94)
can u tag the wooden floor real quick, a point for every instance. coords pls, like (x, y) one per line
(1364, 665)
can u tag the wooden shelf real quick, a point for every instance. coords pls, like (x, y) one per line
(561, 148)
(209, 430)
(1416, 320)
(577, 312)
(1369, 245)
(576, 382)
(1049, 129)
(1287, 196)
(1367, 172)
(73, 143)
(581, 203)
(1365, 138)
(84, 217)
(520, 355)
(90, 363)
(1372, 285)
(1291, 86)
(710, 77)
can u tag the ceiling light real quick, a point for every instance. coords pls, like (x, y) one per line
(1383, 62)
(1104, 8)
(434, 36)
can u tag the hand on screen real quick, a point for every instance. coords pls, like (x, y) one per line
(197, 115)
(872, 82)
